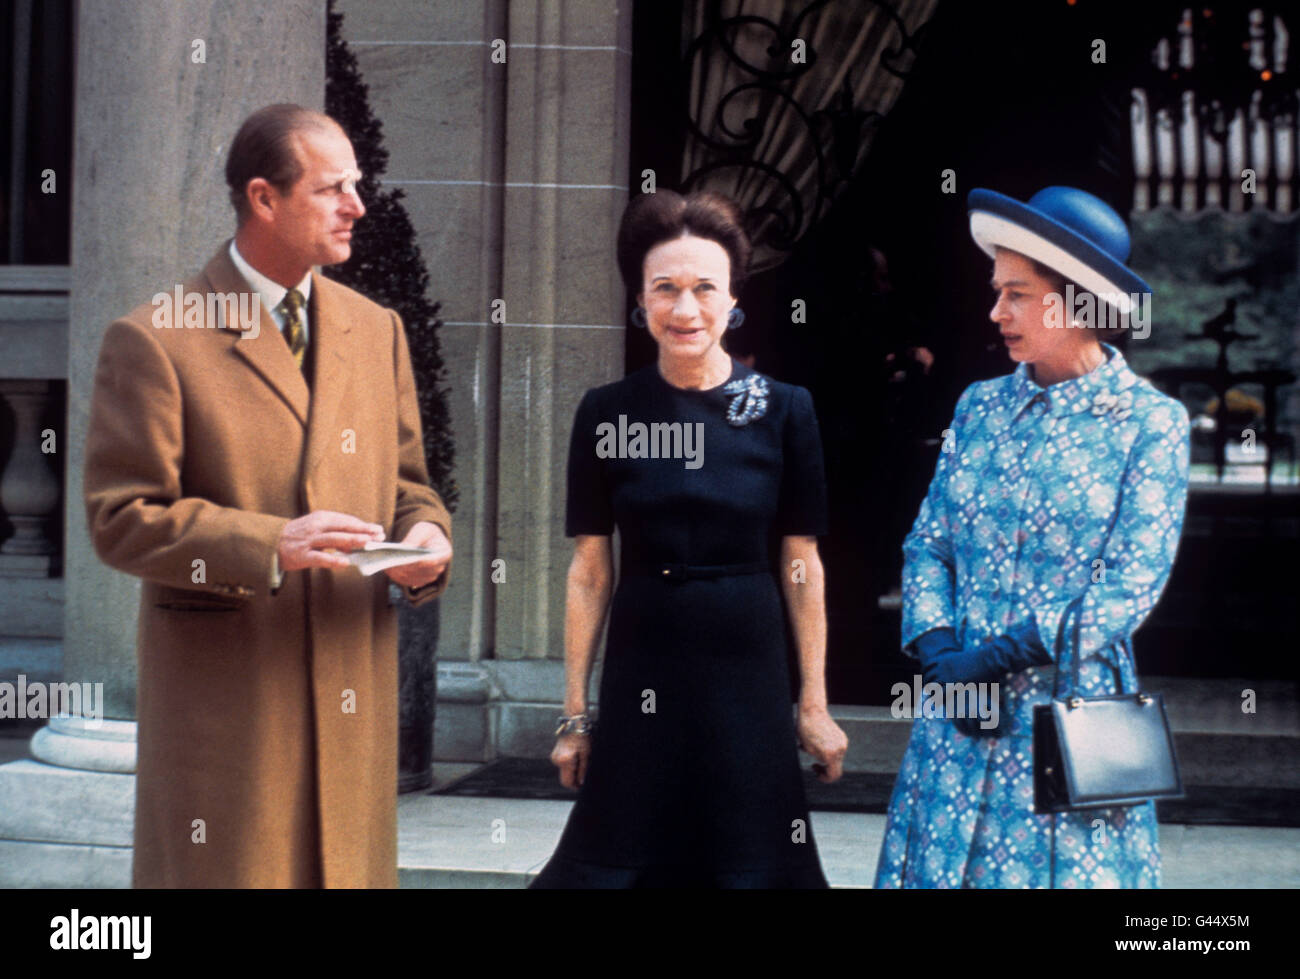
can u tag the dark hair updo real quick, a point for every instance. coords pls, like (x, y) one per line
(652, 219)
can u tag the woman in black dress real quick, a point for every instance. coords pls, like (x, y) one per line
(712, 474)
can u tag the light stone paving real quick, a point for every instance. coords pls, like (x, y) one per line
(446, 841)
(1229, 856)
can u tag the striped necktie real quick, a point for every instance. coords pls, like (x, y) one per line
(294, 333)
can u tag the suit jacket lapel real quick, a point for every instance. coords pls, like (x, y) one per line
(266, 353)
(330, 335)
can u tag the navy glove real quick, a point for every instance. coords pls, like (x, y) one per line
(944, 661)
(932, 647)
(935, 645)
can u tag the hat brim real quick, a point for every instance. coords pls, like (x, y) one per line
(998, 221)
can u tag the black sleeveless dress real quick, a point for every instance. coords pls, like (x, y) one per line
(694, 777)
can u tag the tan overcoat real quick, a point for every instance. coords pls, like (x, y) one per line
(270, 718)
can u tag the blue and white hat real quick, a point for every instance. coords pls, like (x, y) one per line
(1068, 230)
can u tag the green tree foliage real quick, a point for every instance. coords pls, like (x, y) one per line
(386, 264)
(1195, 264)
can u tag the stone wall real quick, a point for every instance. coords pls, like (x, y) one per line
(513, 159)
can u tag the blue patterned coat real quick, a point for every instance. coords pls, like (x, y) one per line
(1039, 495)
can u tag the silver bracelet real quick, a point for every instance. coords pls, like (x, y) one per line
(576, 724)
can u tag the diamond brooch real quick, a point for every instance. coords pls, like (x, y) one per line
(748, 399)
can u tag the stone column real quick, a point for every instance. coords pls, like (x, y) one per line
(162, 85)
(515, 175)
(568, 92)
(426, 67)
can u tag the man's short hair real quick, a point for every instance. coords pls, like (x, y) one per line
(264, 147)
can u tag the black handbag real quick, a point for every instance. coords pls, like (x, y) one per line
(1098, 752)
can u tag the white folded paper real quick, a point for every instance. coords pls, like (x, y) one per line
(381, 555)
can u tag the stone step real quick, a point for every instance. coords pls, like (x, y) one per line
(1217, 742)
(49, 804)
(62, 865)
(877, 743)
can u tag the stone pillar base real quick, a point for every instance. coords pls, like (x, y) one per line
(464, 725)
(499, 709)
(94, 746)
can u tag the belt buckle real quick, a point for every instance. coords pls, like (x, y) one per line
(673, 572)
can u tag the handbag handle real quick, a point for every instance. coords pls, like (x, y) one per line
(1075, 608)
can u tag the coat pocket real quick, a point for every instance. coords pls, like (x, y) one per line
(189, 600)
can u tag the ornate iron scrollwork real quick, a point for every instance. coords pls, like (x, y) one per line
(733, 133)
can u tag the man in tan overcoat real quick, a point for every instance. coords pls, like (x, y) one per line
(231, 459)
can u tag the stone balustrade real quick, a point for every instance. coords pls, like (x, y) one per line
(34, 338)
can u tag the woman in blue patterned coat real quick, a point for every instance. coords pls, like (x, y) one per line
(1067, 477)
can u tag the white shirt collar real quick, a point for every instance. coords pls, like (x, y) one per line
(272, 292)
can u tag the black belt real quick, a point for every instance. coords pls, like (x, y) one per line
(685, 572)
